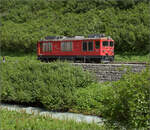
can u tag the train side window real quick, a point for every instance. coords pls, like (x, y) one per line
(69, 46)
(44, 47)
(84, 46)
(105, 43)
(90, 46)
(97, 44)
(49, 46)
(66, 46)
(62, 46)
(111, 43)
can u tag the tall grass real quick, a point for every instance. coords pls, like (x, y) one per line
(132, 58)
(12, 120)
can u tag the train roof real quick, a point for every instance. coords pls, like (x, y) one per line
(63, 38)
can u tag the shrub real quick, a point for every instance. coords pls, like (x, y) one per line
(26, 22)
(53, 85)
(128, 100)
(86, 100)
(93, 99)
(123, 103)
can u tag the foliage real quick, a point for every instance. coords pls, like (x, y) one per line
(59, 86)
(87, 100)
(25, 22)
(52, 85)
(129, 100)
(12, 120)
(132, 58)
(122, 103)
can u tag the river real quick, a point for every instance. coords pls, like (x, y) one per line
(55, 115)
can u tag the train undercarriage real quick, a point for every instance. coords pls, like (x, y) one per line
(83, 59)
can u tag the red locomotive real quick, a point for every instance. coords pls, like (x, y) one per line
(79, 48)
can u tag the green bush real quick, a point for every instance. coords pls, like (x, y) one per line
(122, 103)
(127, 101)
(85, 100)
(25, 22)
(53, 85)
(60, 86)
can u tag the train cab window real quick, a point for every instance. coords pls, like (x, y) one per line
(97, 44)
(111, 43)
(66, 46)
(84, 46)
(90, 46)
(105, 43)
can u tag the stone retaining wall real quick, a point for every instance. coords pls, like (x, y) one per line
(110, 72)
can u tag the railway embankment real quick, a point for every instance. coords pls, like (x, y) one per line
(110, 72)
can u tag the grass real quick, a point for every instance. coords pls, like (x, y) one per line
(14, 57)
(12, 120)
(9, 57)
(132, 58)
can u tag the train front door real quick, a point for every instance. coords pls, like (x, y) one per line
(97, 46)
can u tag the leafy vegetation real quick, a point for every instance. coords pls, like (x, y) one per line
(121, 103)
(25, 22)
(62, 87)
(129, 102)
(52, 85)
(11, 120)
(132, 58)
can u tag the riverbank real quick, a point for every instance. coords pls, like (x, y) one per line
(17, 117)
(55, 115)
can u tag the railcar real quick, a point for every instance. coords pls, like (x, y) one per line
(95, 48)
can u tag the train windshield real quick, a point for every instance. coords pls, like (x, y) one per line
(111, 43)
(105, 43)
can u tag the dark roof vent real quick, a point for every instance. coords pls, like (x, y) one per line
(53, 37)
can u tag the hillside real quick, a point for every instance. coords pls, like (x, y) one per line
(24, 22)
